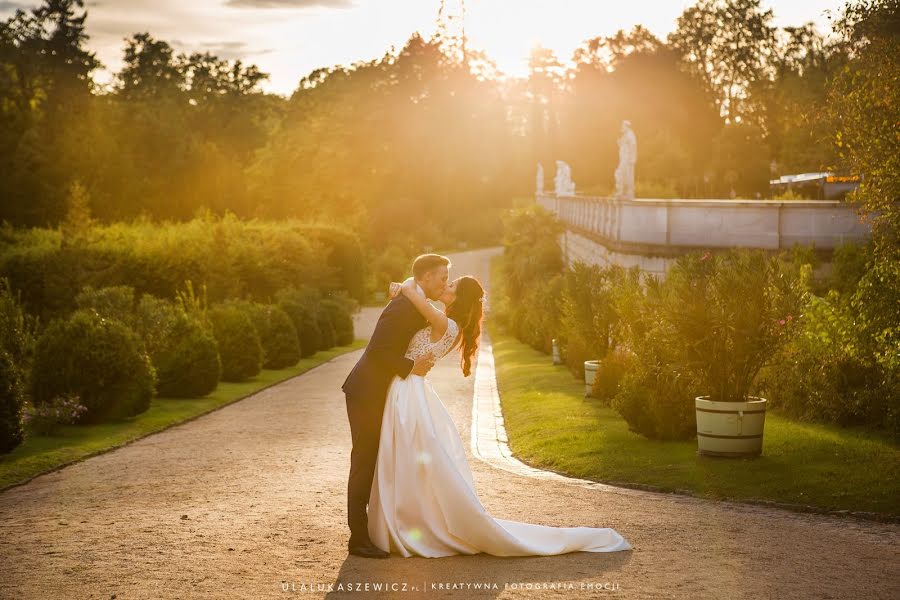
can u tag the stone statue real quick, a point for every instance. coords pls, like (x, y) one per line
(627, 158)
(539, 179)
(564, 184)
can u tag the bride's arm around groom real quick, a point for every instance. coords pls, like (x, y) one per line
(436, 318)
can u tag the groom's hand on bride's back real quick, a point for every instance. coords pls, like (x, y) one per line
(422, 365)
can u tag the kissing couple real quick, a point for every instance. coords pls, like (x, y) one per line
(408, 462)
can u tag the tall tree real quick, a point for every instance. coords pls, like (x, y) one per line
(790, 106)
(865, 106)
(45, 83)
(634, 76)
(151, 70)
(728, 44)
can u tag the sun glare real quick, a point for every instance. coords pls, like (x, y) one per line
(508, 33)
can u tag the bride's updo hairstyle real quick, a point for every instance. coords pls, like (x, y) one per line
(467, 311)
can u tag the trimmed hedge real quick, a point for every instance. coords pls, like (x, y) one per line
(300, 304)
(233, 258)
(342, 319)
(12, 404)
(101, 360)
(115, 302)
(183, 351)
(187, 363)
(18, 330)
(239, 347)
(277, 334)
(327, 335)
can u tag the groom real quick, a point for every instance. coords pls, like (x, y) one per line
(366, 391)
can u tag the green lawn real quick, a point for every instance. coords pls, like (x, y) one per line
(551, 425)
(40, 454)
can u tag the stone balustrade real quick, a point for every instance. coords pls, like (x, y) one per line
(651, 233)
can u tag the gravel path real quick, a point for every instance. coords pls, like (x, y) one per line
(250, 500)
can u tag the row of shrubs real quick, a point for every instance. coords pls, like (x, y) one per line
(721, 324)
(234, 258)
(108, 358)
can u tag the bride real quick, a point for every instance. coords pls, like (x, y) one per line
(423, 499)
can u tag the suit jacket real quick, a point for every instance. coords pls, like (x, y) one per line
(384, 355)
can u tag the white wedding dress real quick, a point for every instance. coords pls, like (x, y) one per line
(423, 499)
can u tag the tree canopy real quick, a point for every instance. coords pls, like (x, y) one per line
(413, 145)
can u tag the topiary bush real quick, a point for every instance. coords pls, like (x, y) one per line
(281, 347)
(187, 361)
(153, 319)
(327, 337)
(300, 305)
(277, 334)
(12, 403)
(114, 302)
(342, 319)
(100, 360)
(181, 347)
(239, 347)
(18, 331)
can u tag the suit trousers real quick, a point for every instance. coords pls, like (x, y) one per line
(365, 430)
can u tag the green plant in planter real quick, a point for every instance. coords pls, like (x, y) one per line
(730, 313)
(707, 330)
(655, 392)
(610, 372)
(589, 314)
(586, 315)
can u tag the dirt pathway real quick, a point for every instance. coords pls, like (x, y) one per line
(249, 501)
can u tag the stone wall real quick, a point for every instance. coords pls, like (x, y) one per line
(652, 233)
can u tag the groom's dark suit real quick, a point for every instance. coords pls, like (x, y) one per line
(366, 391)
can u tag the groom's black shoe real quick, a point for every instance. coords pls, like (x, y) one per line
(368, 550)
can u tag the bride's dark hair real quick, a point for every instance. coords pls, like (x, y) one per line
(467, 311)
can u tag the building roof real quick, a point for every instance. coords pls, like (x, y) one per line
(800, 178)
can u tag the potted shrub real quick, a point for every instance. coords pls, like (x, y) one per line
(654, 392)
(590, 373)
(589, 317)
(731, 312)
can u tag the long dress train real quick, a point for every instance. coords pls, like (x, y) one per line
(423, 499)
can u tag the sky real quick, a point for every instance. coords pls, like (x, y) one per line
(290, 38)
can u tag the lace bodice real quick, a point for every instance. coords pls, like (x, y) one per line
(421, 343)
